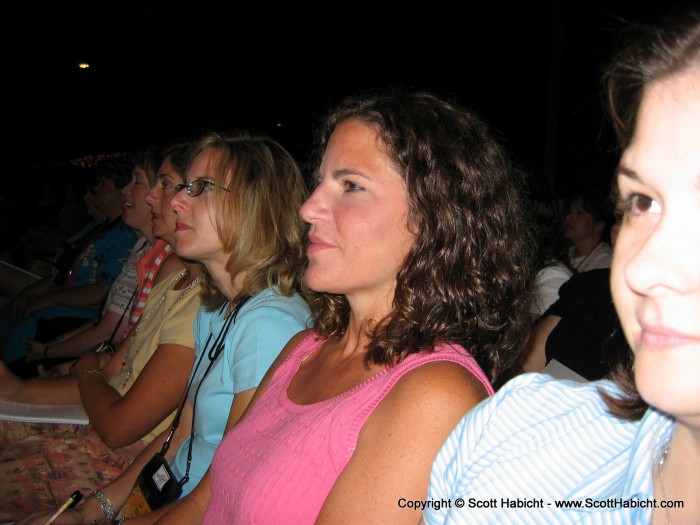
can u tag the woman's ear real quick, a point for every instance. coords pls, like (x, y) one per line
(599, 227)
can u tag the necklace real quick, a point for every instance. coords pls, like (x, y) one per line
(143, 319)
(661, 478)
(583, 259)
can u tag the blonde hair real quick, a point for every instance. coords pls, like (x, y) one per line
(258, 217)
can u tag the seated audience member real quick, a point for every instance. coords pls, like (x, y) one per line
(634, 440)
(56, 216)
(78, 288)
(552, 249)
(581, 329)
(18, 272)
(238, 213)
(135, 214)
(110, 325)
(418, 311)
(130, 290)
(36, 221)
(130, 397)
(587, 219)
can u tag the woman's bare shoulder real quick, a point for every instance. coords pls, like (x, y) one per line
(171, 264)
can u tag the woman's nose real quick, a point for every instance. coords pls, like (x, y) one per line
(178, 200)
(315, 207)
(151, 197)
(665, 259)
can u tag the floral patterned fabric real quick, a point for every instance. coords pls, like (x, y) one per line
(41, 464)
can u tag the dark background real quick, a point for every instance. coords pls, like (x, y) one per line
(160, 74)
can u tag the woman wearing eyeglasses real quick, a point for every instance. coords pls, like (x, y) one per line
(129, 397)
(416, 311)
(238, 215)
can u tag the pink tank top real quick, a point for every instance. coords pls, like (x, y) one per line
(279, 463)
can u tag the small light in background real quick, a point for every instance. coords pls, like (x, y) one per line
(83, 65)
(279, 124)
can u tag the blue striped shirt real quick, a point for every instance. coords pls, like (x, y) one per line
(539, 442)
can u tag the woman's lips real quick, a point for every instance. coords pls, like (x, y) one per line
(662, 337)
(317, 244)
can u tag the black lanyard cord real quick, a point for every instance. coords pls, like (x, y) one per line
(212, 353)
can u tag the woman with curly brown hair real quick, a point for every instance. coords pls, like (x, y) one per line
(418, 255)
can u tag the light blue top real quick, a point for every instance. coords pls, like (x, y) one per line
(538, 441)
(264, 325)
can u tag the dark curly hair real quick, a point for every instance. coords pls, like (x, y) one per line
(468, 276)
(649, 53)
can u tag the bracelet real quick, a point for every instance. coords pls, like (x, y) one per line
(91, 371)
(106, 505)
(87, 372)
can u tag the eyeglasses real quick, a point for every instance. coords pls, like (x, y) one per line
(197, 187)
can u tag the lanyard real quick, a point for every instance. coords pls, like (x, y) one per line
(212, 352)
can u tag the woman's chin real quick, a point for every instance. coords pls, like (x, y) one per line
(669, 385)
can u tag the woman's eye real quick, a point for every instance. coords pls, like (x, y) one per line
(638, 204)
(351, 186)
(165, 186)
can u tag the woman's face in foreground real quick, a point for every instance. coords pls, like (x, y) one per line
(655, 276)
(358, 214)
